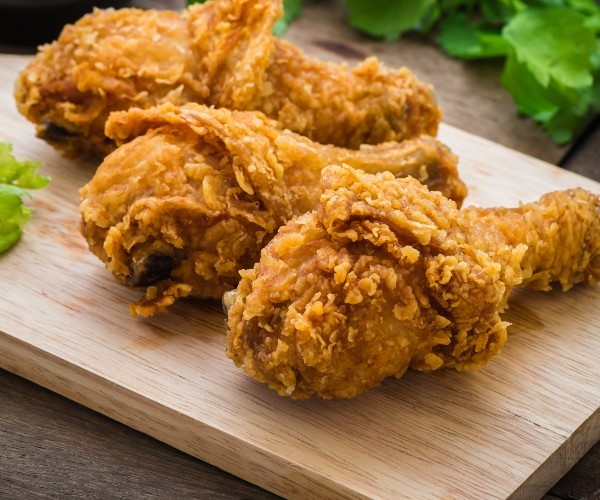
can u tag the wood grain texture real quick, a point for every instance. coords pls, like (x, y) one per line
(579, 482)
(70, 451)
(55, 447)
(513, 428)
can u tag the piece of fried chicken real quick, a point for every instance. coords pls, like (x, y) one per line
(387, 275)
(220, 53)
(197, 192)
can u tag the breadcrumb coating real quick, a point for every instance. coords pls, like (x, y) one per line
(220, 53)
(386, 275)
(194, 193)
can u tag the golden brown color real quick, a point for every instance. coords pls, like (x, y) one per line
(197, 192)
(220, 53)
(64, 325)
(387, 275)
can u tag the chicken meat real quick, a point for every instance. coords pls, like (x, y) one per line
(220, 53)
(386, 275)
(193, 194)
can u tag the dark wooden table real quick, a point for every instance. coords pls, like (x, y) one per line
(52, 447)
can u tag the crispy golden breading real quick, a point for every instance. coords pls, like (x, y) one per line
(387, 275)
(198, 191)
(220, 53)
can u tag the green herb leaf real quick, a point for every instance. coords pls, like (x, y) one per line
(498, 12)
(560, 110)
(551, 68)
(555, 45)
(593, 22)
(15, 175)
(382, 18)
(461, 39)
(13, 215)
(19, 173)
(589, 7)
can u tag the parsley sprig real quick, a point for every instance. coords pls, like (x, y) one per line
(551, 50)
(16, 177)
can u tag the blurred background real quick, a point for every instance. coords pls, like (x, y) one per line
(28, 23)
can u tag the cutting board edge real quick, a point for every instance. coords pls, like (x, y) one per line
(561, 461)
(51, 372)
(93, 391)
(446, 133)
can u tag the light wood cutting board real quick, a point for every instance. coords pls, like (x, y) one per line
(513, 428)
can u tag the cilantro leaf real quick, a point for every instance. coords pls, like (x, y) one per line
(19, 173)
(589, 7)
(555, 45)
(559, 110)
(13, 215)
(15, 175)
(382, 18)
(459, 38)
(593, 22)
(551, 68)
(499, 11)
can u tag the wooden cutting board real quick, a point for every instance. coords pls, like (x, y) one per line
(513, 428)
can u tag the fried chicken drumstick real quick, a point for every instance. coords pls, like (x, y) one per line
(220, 53)
(197, 192)
(387, 275)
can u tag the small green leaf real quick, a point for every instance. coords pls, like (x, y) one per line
(460, 38)
(561, 111)
(19, 173)
(15, 175)
(498, 12)
(592, 21)
(430, 18)
(588, 7)
(555, 44)
(389, 19)
(13, 215)
(562, 125)
(526, 90)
